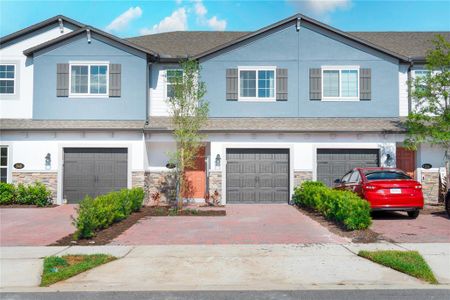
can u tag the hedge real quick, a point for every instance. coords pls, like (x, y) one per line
(344, 207)
(31, 194)
(102, 211)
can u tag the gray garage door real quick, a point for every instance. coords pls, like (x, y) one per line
(257, 175)
(93, 171)
(334, 163)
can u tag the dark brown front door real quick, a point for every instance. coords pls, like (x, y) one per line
(406, 160)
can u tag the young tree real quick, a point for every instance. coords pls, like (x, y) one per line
(189, 114)
(429, 120)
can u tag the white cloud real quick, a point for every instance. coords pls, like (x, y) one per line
(216, 24)
(320, 8)
(178, 1)
(176, 21)
(200, 9)
(124, 19)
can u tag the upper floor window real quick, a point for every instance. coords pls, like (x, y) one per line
(3, 164)
(257, 83)
(171, 77)
(340, 83)
(7, 79)
(89, 79)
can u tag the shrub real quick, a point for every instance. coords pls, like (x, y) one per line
(344, 207)
(101, 212)
(34, 194)
(7, 193)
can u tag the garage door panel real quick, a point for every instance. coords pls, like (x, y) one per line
(334, 163)
(263, 175)
(93, 172)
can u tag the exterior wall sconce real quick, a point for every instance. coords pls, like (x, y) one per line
(389, 159)
(48, 161)
(217, 161)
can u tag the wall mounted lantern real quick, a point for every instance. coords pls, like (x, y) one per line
(217, 162)
(48, 161)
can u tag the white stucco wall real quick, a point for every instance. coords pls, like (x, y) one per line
(20, 105)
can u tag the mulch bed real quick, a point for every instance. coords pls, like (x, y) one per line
(357, 236)
(105, 236)
(26, 206)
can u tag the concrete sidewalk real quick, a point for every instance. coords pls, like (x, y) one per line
(223, 267)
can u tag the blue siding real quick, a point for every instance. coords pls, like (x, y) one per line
(130, 106)
(311, 47)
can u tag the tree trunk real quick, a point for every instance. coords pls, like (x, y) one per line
(180, 180)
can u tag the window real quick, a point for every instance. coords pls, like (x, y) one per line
(340, 83)
(89, 79)
(7, 79)
(3, 164)
(386, 175)
(354, 178)
(346, 177)
(421, 74)
(171, 77)
(257, 83)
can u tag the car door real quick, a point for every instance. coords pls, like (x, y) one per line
(343, 182)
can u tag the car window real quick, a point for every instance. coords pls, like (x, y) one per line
(354, 177)
(346, 177)
(385, 175)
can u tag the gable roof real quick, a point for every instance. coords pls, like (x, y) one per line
(412, 44)
(178, 44)
(37, 26)
(85, 29)
(303, 18)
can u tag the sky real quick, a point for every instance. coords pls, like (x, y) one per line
(132, 18)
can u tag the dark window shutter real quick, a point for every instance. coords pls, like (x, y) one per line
(282, 84)
(315, 84)
(62, 80)
(232, 84)
(115, 71)
(365, 84)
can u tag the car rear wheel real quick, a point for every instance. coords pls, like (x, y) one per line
(447, 203)
(413, 214)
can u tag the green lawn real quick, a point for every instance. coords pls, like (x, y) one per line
(408, 262)
(60, 268)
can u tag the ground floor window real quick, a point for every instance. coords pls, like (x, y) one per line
(3, 164)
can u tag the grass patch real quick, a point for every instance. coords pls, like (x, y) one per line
(408, 262)
(60, 268)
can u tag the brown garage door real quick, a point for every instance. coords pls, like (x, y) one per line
(93, 171)
(257, 175)
(334, 163)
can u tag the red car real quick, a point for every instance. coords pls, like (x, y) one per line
(385, 189)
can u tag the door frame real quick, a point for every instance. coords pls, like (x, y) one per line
(281, 146)
(61, 147)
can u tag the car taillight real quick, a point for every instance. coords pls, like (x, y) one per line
(418, 187)
(369, 187)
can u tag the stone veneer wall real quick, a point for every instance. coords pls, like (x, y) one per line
(430, 186)
(300, 176)
(49, 178)
(215, 184)
(140, 179)
(162, 182)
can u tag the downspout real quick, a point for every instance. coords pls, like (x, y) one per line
(411, 64)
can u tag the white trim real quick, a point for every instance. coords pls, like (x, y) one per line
(60, 170)
(89, 64)
(286, 146)
(10, 79)
(340, 69)
(256, 69)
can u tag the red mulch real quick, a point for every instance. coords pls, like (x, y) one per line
(105, 236)
(357, 236)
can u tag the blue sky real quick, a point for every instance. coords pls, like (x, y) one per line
(131, 18)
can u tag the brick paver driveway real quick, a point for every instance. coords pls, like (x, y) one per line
(427, 228)
(243, 224)
(35, 226)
